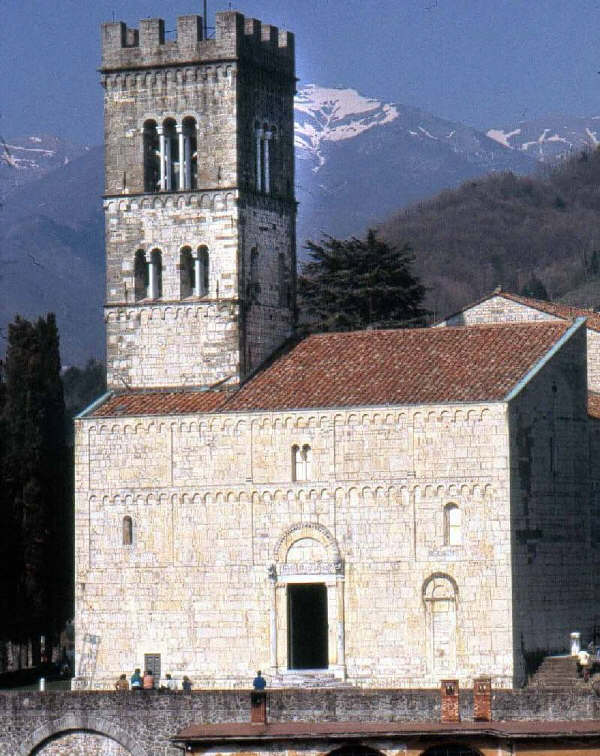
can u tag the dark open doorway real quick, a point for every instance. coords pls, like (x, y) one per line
(307, 626)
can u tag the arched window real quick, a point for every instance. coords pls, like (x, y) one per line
(169, 144)
(187, 285)
(188, 154)
(283, 281)
(151, 157)
(140, 274)
(253, 284)
(202, 272)
(301, 463)
(127, 531)
(155, 274)
(452, 525)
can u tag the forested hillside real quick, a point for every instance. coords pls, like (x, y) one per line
(532, 235)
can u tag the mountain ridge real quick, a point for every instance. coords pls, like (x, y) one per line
(359, 159)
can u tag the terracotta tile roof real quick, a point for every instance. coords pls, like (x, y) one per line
(362, 368)
(297, 730)
(161, 403)
(594, 404)
(406, 366)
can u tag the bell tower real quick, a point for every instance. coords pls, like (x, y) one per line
(199, 200)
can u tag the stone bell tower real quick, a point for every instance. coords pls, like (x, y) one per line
(199, 200)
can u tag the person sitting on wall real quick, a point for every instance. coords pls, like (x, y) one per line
(259, 682)
(136, 680)
(186, 684)
(122, 683)
(148, 682)
(170, 684)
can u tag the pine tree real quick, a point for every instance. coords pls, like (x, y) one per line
(354, 284)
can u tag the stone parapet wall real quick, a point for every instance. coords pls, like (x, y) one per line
(141, 724)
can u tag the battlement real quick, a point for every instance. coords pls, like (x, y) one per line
(236, 37)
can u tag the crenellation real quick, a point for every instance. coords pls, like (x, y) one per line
(235, 37)
(152, 34)
(190, 31)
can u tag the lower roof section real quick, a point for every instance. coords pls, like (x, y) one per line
(237, 731)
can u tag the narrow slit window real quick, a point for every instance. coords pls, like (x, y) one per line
(452, 525)
(202, 272)
(186, 273)
(127, 531)
(140, 274)
(155, 275)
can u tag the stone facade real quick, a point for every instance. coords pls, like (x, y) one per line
(199, 160)
(369, 525)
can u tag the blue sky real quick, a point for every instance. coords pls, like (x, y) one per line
(486, 63)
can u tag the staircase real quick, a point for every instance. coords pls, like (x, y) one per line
(557, 672)
(310, 678)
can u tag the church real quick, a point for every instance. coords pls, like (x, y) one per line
(377, 508)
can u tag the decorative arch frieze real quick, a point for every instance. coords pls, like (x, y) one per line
(314, 531)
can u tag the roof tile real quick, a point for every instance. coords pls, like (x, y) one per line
(362, 368)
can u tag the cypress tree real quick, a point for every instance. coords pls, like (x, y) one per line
(34, 472)
(354, 284)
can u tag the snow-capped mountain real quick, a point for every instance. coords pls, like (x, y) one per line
(359, 159)
(331, 115)
(551, 137)
(25, 159)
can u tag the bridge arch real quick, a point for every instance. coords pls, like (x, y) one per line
(83, 722)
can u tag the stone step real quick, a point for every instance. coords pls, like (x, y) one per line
(309, 679)
(556, 672)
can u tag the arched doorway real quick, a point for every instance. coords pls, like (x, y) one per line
(307, 605)
(450, 749)
(440, 595)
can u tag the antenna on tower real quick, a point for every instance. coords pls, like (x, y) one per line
(205, 19)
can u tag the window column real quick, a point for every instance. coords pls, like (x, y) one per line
(182, 158)
(161, 150)
(152, 278)
(259, 169)
(197, 275)
(187, 150)
(267, 166)
(168, 164)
